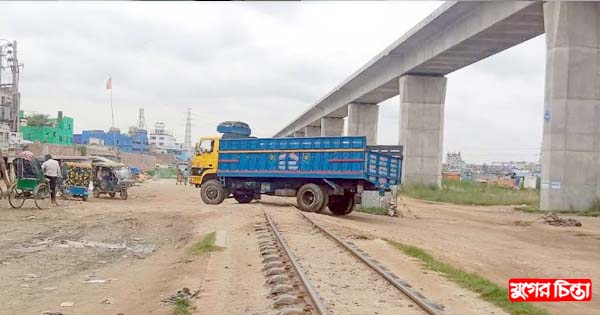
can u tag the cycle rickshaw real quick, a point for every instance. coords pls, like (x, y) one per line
(30, 183)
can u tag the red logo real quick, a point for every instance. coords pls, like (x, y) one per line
(549, 290)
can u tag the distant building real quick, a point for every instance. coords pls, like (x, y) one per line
(454, 162)
(163, 140)
(59, 130)
(135, 142)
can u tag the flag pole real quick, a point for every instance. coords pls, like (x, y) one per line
(112, 114)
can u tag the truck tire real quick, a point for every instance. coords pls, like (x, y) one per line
(310, 198)
(325, 202)
(243, 197)
(212, 193)
(341, 205)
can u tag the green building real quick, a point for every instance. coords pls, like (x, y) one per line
(57, 130)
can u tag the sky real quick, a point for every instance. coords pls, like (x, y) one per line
(263, 63)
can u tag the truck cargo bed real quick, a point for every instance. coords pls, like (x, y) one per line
(312, 157)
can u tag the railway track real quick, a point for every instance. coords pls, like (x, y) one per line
(324, 274)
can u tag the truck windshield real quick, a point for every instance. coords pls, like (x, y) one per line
(206, 146)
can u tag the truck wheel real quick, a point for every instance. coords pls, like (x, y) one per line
(325, 202)
(341, 205)
(243, 197)
(212, 193)
(310, 198)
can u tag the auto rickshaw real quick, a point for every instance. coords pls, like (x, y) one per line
(76, 179)
(111, 178)
(30, 183)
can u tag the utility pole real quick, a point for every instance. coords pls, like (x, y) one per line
(188, 130)
(15, 88)
(9, 60)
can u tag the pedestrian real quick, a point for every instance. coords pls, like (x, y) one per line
(179, 177)
(51, 170)
(186, 174)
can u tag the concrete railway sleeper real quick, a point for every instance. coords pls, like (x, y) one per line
(348, 280)
(290, 289)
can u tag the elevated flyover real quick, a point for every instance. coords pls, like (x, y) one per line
(456, 35)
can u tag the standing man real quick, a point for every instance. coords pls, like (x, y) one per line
(52, 171)
(186, 175)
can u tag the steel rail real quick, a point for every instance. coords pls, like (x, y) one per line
(314, 296)
(431, 309)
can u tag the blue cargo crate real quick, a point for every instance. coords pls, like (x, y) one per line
(313, 157)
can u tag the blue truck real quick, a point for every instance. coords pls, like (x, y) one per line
(321, 172)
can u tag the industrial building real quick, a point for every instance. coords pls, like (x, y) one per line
(136, 141)
(57, 130)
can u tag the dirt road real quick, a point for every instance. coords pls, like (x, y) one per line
(496, 242)
(110, 256)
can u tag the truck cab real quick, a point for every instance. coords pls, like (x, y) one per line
(205, 160)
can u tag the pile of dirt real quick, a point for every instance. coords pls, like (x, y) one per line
(554, 219)
(142, 177)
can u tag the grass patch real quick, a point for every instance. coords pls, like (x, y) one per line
(594, 211)
(182, 307)
(487, 290)
(373, 210)
(472, 193)
(205, 245)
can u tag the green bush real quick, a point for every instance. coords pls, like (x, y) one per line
(472, 193)
(170, 173)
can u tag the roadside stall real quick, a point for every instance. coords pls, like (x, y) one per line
(76, 180)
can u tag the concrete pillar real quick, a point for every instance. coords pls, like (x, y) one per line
(332, 126)
(571, 141)
(312, 131)
(299, 134)
(362, 121)
(422, 128)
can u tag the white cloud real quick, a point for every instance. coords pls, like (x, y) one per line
(263, 63)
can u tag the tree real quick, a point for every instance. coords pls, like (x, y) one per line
(38, 120)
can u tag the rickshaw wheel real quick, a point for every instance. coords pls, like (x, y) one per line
(15, 199)
(42, 196)
(124, 194)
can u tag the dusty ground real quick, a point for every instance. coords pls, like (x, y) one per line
(113, 256)
(496, 242)
(136, 248)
